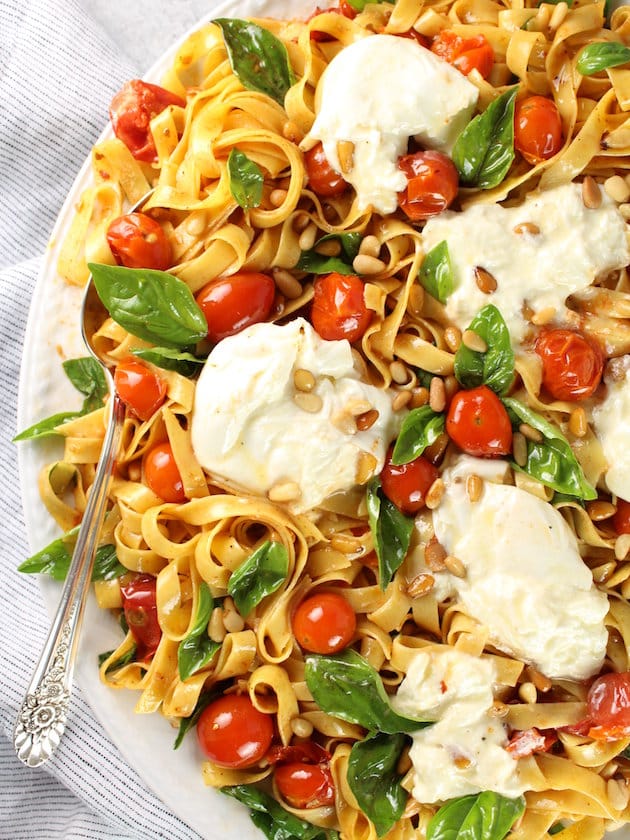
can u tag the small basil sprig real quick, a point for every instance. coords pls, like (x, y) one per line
(420, 428)
(359, 5)
(374, 781)
(246, 180)
(552, 462)
(197, 649)
(55, 558)
(596, 57)
(262, 573)
(484, 151)
(186, 724)
(258, 58)
(314, 263)
(347, 686)
(125, 659)
(391, 531)
(481, 816)
(436, 272)
(152, 305)
(274, 820)
(165, 357)
(495, 366)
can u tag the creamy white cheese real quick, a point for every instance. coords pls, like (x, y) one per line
(463, 751)
(248, 431)
(574, 245)
(525, 579)
(611, 420)
(377, 93)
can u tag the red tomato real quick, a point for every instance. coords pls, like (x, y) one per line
(466, 54)
(572, 365)
(478, 423)
(537, 128)
(407, 485)
(131, 112)
(138, 241)
(322, 178)
(140, 609)
(344, 8)
(233, 733)
(139, 388)
(307, 752)
(621, 519)
(530, 741)
(234, 303)
(416, 36)
(305, 785)
(161, 474)
(339, 310)
(324, 623)
(608, 704)
(432, 183)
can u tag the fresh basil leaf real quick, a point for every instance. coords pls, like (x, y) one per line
(277, 822)
(106, 564)
(186, 724)
(347, 686)
(552, 462)
(45, 428)
(152, 305)
(390, 529)
(481, 816)
(374, 781)
(556, 828)
(197, 649)
(87, 376)
(246, 180)
(262, 573)
(596, 57)
(54, 560)
(258, 58)
(494, 367)
(314, 263)
(165, 357)
(436, 272)
(420, 428)
(359, 5)
(484, 151)
(125, 659)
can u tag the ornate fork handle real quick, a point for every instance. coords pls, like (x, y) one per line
(42, 718)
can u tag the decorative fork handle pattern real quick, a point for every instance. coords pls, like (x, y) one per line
(42, 717)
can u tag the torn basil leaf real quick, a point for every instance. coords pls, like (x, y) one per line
(314, 263)
(482, 816)
(260, 575)
(594, 58)
(495, 366)
(167, 358)
(374, 781)
(246, 180)
(55, 558)
(391, 531)
(274, 820)
(436, 272)
(186, 724)
(197, 649)
(420, 428)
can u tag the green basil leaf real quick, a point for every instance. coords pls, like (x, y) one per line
(106, 564)
(262, 573)
(314, 263)
(552, 462)
(164, 357)
(556, 828)
(390, 529)
(277, 822)
(125, 659)
(152, 305)
(45, 428)
(420, 428)
(196, 649)
(347, 686)
(359, 5)
(88, 377)
(481, 816)
(374, 781)
(246, 180)
(599, 56)
(436, 272)
(484, 151)
(54, 560)
(258, 58)
(494, 367)
(186, 724)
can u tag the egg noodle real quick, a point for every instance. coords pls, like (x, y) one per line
(581, 785)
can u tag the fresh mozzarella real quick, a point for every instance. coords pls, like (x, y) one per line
(377, 93)
(610, 420)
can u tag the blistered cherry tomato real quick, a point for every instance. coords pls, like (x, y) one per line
(621, 519)
(339, 310)
(537, 128)
(233, 733)
(477, 421)
(466, 54)
(322, 178)
(140, 609)
(305, 785)
(608, 705)
(407, 485)
(162, 475)
(131, 112)
(417, 37)
(432, 183)
(138, 241)
(344, 8)
(324, 623)
(233, 303)
(529, 741)
(307, 752)
(572, 365)
(139, 388)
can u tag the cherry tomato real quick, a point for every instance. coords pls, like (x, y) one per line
(344, 8)
(478, 423)
(529, 741)
(324, 623)
(161, 474)
(572, 365)
(621, 519)
(139, 388)
(234, 303)
(432, 183)
(322, 178)
(131, 112)
(608, 704)
(407, 485)
(339, 310)
(537, 128)
(416, 36)
(233, 733)
(305, 785)
(307, 752)
(466, 54)
(140, 609)
(138, 241)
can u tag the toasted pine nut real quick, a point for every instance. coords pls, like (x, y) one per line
(370, 246)
(519, 448)
(216, 628)
(617, 189)
(544, 316)
(303, 380)
(591, 194)
(367, 420)
(452, 338)
(437, 394)
(345, 422)
(527, 227)
(541, 19)
(486, 283)
(435, 451)
(329, 248)
(345, 153)
(291, 132)
(598, 510)
(363, 264)
(307, 237)
(134, 471)
(232, 620)
(399, 372)
(474, 341)
(301, 727)
(455, 566)
(622, 547)
(286, 491)
(419, 397)
(474, 487)
(287, 284)
(435, 493)
(498, 709)
(434, 555)
(618, 793)
(527, 692)
(357, 407)
(530, 433)
(462, 762)
(401, 400)
(300, 221)
(578, 423)
(451, 386)
(277, 197)
(366, 465)
(416, 299)
(420, 585)
(558, 15)
(308, 402)
(541, 682)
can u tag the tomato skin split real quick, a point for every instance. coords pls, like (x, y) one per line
(339, 309)
(131, 112)
(572, 364)
(322, 178)
(608, 704)
(138, 241)
(432, 184)
(140, 609)
(530, 741)
(467, 54)
(142, 390)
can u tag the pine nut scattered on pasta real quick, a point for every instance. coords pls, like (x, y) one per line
(452, 338)
(527, 692)
(498, 709)
(451, 386)
(474, 341)
(303, 380)
(345, 153)
(399, 372)
(527, 227)
(558, 15)
(301, 727)
(290, 131)
(287, 284)
(308, 237)
(455, 566)
(367, 420)
(134, 471)
(366, 466)
(530, 433)
(420, 585)
(216, 627)
(437, 394)
(434, 555)
(435, 493)
(401, 400)
(364, 264)
(541, 682)
(485, 281)
(308, 402)
(329, 248)
(474, 487)
(543, 316)
(232, 620)
(519, 448)
(578, 422)
(618, 793)
(599, 510)
(277, 197)
(617, 188)
(419, 397)
(286, 491)
(357, 407)
(622, 546)
(345, 544)
(591, 194)
(300, 222)
(370, 246)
